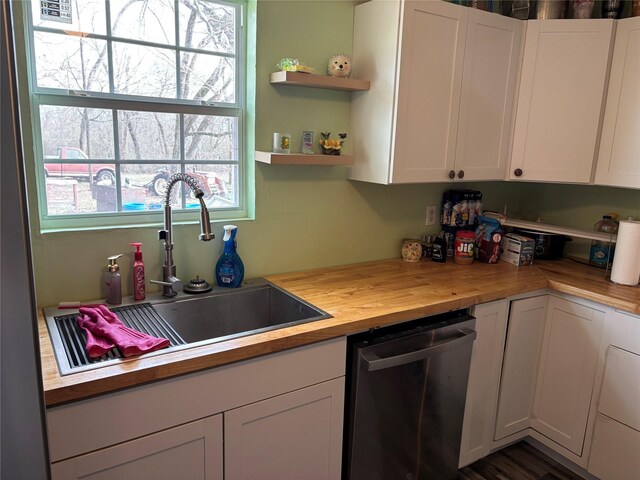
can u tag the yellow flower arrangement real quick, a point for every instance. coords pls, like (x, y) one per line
(331, 146)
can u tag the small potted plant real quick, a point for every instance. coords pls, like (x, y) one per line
(331, 146)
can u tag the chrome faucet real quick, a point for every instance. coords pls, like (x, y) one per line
(171, 284)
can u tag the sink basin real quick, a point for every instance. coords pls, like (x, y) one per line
(227, 314)
(220, 315)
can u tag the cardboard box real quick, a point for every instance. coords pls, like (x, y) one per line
(517, 249)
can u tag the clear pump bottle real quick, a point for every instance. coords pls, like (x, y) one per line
(113, 282)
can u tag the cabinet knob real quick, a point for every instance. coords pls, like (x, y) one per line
(517, 172)
(452, 174)
(461, 174)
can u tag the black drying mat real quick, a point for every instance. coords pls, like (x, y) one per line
(140, 317)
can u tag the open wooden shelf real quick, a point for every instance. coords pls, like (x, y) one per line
(318, 81)
(302, 159)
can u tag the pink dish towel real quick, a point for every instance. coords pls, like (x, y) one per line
(104, 330)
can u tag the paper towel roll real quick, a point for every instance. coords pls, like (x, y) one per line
(626, 261)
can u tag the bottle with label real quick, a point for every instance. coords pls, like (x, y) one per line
(229, 268)
(113, 282)
(439, 250)
(138, 273)
(601, 254)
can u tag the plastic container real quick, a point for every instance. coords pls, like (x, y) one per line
(601, 253)
(138, 273)
(229, 268)
(113, 282)
(464, 247)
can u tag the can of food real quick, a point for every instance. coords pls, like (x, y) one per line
(464, 246)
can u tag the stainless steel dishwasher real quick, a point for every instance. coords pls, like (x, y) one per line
(407, 389)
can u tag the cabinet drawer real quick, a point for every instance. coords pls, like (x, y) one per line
(625, 331)
(620, 397)
(614, 452)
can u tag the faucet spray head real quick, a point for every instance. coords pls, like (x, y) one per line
(205, 223)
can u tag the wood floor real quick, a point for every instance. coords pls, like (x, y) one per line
(517, 462)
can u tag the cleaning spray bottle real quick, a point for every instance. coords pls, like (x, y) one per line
(229, 268)
(138, 273)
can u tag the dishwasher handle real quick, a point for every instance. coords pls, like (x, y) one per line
(373, 362)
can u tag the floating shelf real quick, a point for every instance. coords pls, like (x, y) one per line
(302, 159)
(547, 228)
(318, 81)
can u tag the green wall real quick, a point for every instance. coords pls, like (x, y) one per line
(305, 217)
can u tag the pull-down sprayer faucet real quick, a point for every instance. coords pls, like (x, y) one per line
(171, 284)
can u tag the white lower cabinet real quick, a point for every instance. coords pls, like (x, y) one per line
(615, 451)
(520, 366)
(567, 372)
(281, 414)
(484, 380)
(292, 436)
(188, 452)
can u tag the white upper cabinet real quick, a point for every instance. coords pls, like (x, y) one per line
(491, 67)
(619, 157)
(562, 86)
(426, 74)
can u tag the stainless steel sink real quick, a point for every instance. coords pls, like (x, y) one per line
(232, 313)
(212, 317)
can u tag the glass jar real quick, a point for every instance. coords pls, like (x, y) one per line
(464, 247)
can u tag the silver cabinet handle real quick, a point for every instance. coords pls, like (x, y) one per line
(373, 362)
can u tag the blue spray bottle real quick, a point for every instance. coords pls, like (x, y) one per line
(229, 268)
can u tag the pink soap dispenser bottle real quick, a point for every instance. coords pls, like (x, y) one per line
(138, 273)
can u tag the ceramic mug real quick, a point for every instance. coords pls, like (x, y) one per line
(411, 250)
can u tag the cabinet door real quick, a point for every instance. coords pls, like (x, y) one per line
(614, 452)
(619, 157)
(567, 372)
(428, 91)
(520, 366)
(289, 437)
(491, 67)
(484, 380)
(189, 452)
(564, 71)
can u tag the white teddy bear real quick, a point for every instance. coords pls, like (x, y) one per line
(339, 66)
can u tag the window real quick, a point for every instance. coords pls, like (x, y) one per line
(128, 93)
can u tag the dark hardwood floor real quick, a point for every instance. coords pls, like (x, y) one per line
(517, 462)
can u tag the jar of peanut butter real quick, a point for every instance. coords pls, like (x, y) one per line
(463, 247)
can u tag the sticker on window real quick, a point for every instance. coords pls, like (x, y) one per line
(56, 10)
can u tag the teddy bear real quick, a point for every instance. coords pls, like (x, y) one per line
(339, 66)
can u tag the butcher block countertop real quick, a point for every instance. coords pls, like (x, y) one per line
(358, 297)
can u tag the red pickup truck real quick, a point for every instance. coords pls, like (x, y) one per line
(90, 171)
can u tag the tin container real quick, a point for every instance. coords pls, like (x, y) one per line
(411, 250)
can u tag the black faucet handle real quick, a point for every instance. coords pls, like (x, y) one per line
(162, 235)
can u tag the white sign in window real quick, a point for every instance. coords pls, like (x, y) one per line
(56, 10)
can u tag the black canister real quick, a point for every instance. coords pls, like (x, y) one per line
(439, 251)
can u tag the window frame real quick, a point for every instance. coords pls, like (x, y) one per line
(116, 102)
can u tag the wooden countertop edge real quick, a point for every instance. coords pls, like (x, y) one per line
(602, 298)
(77, 386)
